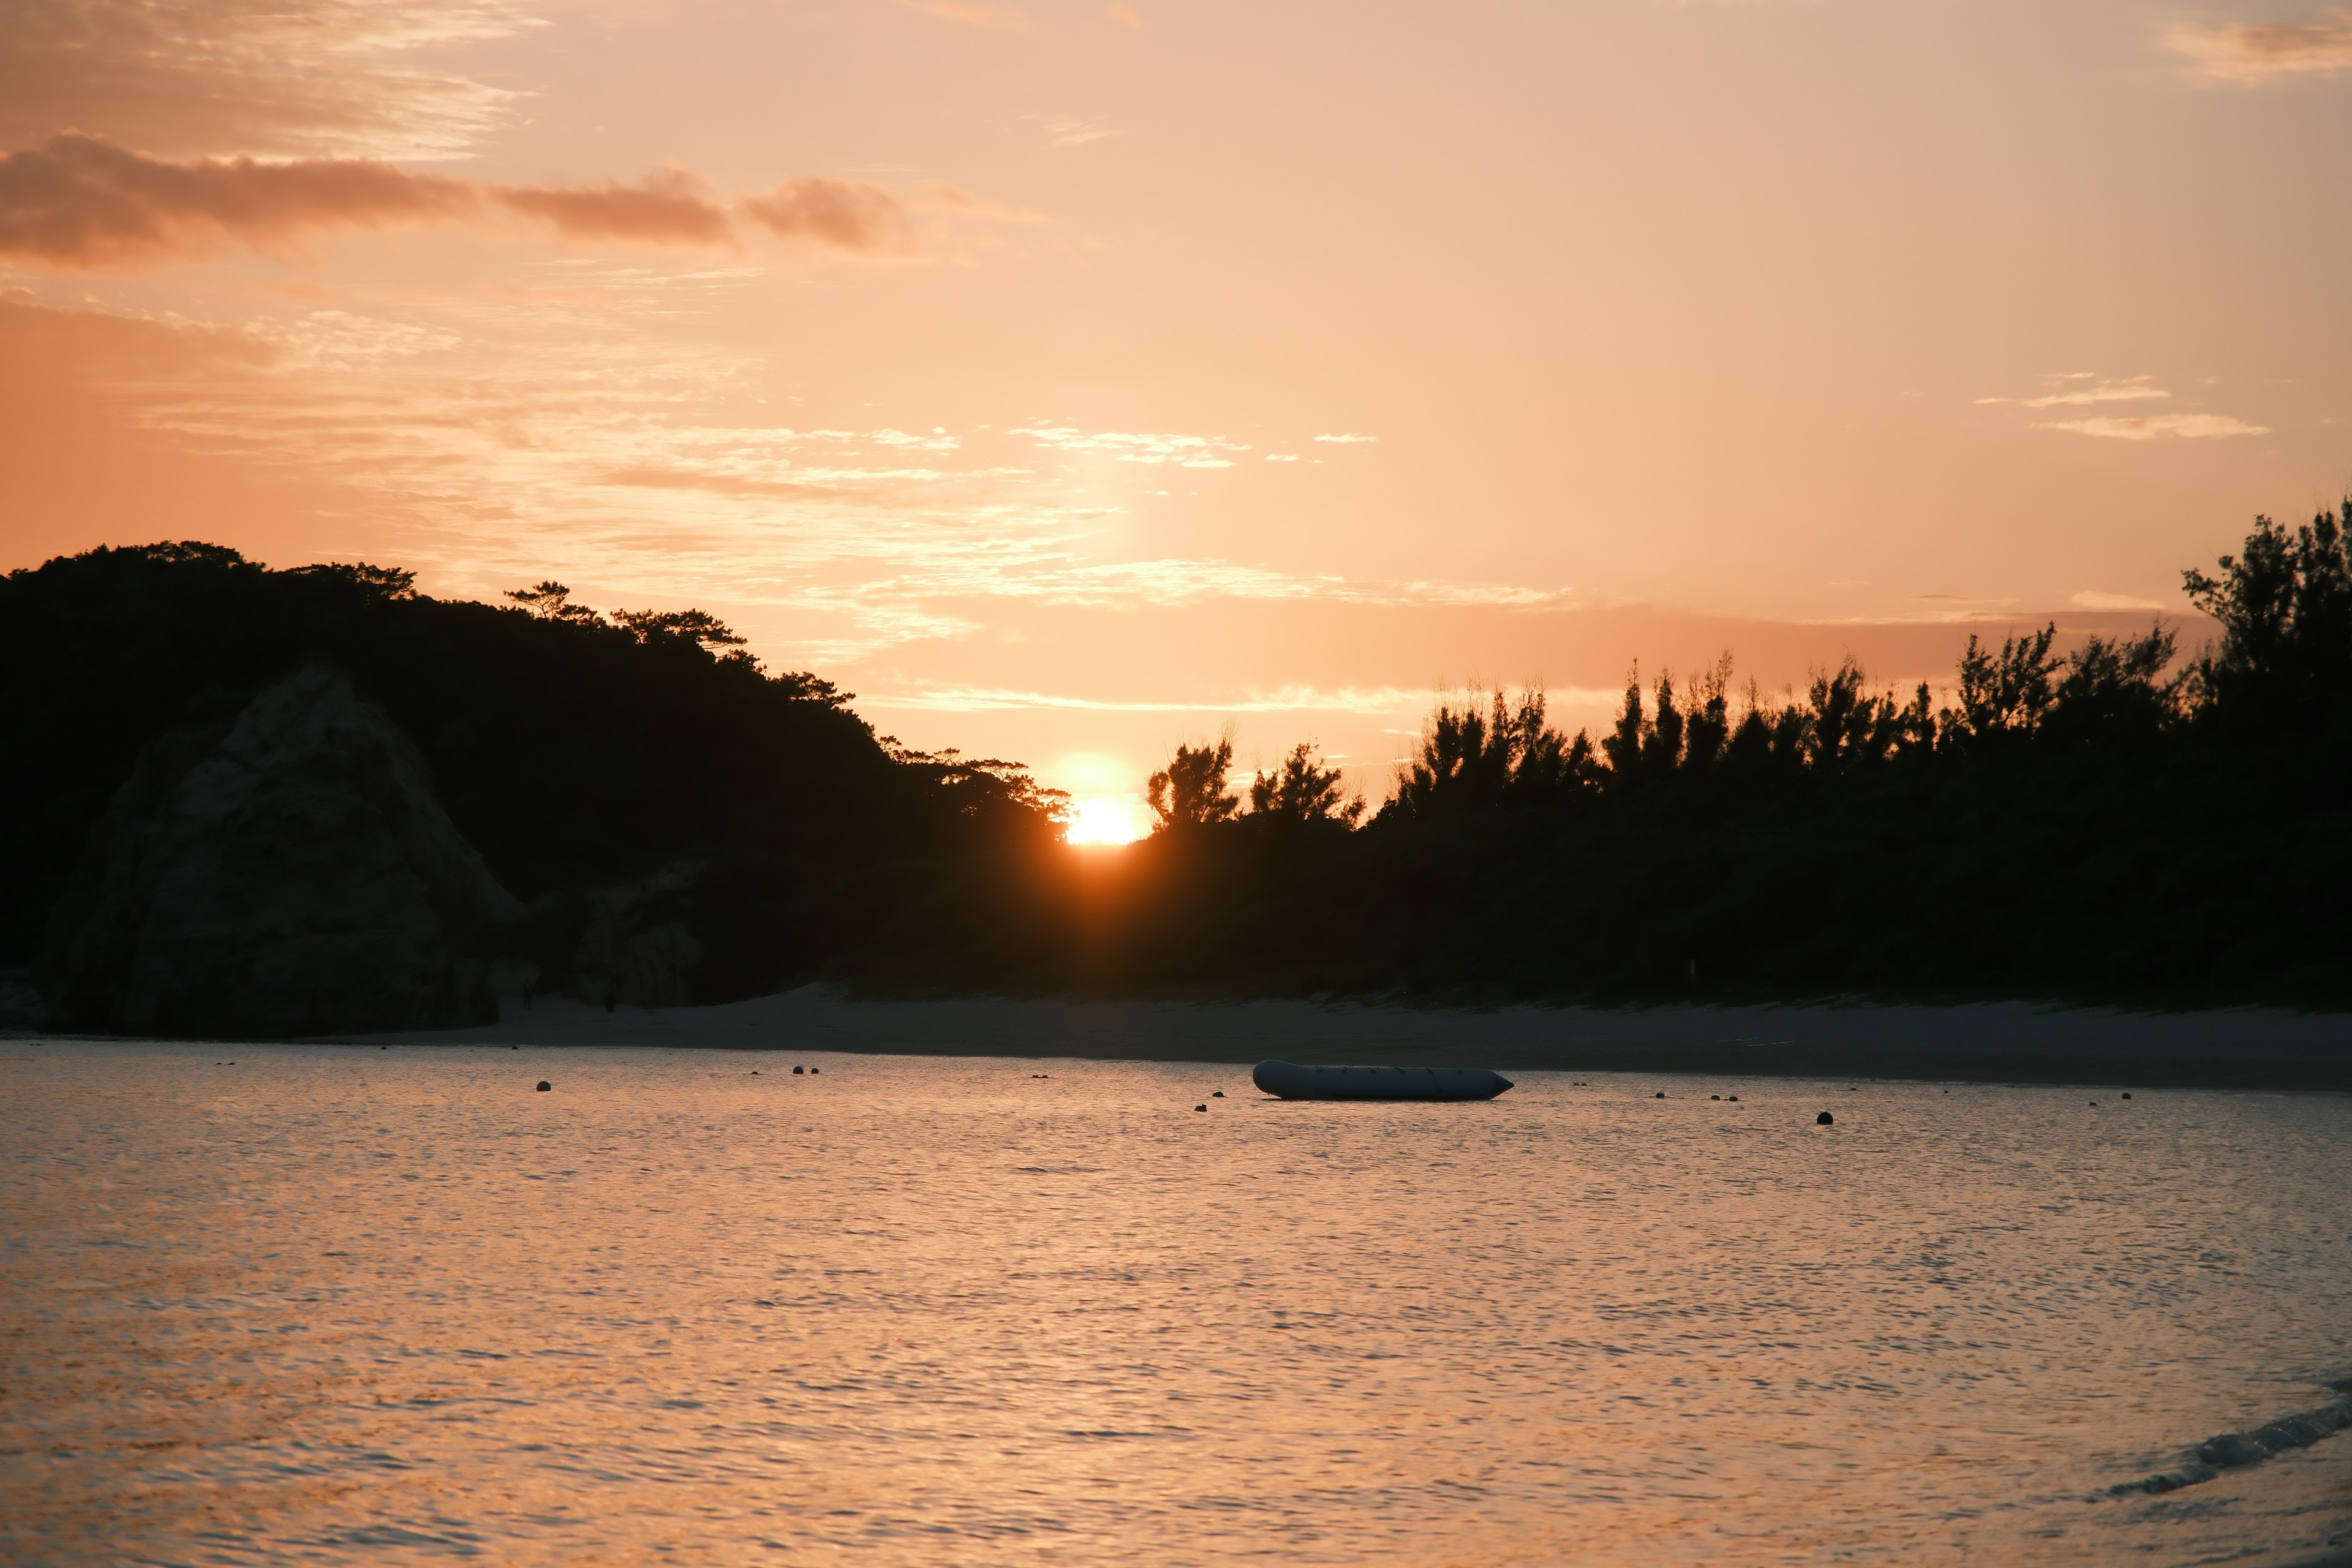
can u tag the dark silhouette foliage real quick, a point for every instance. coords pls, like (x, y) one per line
(1302, 791)
(2111, 822)
(573, 753)
(1190, 791)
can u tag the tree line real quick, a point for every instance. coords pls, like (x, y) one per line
(2279, 675)
(2120, 821)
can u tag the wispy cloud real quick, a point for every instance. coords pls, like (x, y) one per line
(2131, 389)
(1348, 441)
(670, 207)
(2092, 599)
(846, 215)
(76, 201)
(2253, 53)
(293, 76)
(1183, 451)
(974, 14)
(1297, 699)
(2154, 427)
(2138, 389)
(2068, 389)
(944, 698)
(1079, 132)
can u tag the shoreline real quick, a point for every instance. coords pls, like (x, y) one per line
(2003, 1042)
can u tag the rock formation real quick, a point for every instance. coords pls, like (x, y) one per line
(631, 943)
(288, 873)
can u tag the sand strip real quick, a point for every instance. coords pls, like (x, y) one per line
(2013, 1042)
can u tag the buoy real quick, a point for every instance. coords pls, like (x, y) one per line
(1714, 1096)
(544, 1086)
(1824, 1119)
(1218, 1094)
(1735, 1099)
(796, 1070)
(816, 1070)
(2128, 1094)
(1661, 1094)
(1200, 1108)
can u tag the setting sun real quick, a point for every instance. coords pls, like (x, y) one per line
(1107, 819)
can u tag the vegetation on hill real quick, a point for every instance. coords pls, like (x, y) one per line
(2116, 822)
(571, 749)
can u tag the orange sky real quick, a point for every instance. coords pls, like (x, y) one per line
(1068, 379)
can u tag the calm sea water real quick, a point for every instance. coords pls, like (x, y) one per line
(336, 1305)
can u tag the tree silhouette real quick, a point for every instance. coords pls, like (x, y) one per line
(1190, 791)
(1302, 790)
(551, 601)
(2285, 602)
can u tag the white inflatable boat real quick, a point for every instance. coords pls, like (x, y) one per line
(1288, 1080)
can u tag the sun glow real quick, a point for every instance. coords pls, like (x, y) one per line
(1106, 819)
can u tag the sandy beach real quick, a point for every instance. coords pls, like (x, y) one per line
(1986, 1042)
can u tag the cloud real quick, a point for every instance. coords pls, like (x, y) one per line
(2253, 53)
(83, 202)
(2151, 427)
(293, 76)
(79, 202)
(1079, 132)
(1378, 699)
(1183, 451)
(846, 215)
(971, 13)
(2092, 599)
(669, 206)
(1348, 441)
(2135, 390)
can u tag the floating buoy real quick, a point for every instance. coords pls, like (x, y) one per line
(797, 1069)
(544, 1086)
(1200, 1108)
(1824, 1119)
(1714, 1096)
(1735, 1099)
(1661, 1094)
(2128, 1094)
(1218, 1094)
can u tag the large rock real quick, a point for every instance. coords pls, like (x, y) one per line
(631, 943)
(288, 873)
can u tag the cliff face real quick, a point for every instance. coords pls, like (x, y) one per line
(288, 873)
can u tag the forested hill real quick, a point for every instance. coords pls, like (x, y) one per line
(572, 750)
(2124, 821)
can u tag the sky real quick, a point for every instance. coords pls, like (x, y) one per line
(1070, 380)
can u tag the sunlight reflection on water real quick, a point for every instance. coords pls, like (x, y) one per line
(350, 1305)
